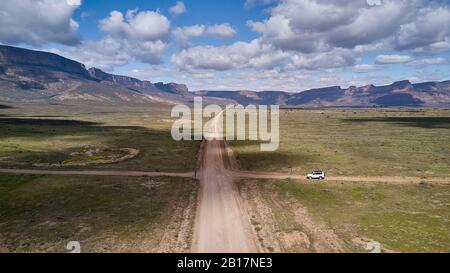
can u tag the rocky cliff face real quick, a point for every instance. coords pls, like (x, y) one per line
(125, 81)
(320, 96)
(23, 57)
(172, 87)
(33, 75)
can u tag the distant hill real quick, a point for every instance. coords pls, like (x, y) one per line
(403, 93)
(30, 75)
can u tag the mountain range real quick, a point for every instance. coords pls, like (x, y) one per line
(28, 75)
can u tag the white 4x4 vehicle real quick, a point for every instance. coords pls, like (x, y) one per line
(316, 175)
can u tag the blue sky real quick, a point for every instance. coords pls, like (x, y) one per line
(287, 45)
(198, 12)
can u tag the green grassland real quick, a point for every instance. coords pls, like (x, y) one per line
(405, 218)
(371, 142)
(361, 142)
(105, 214)
(49, 134)
(114, 214)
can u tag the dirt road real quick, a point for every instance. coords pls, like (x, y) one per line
(371, 179)
(222, 224)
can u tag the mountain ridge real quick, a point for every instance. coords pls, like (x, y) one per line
(38, 75)
(400, 93)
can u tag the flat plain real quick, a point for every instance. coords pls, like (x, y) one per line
(356, 142)
(42, 135)
(42, 213)
(330, 216)
(297, 216)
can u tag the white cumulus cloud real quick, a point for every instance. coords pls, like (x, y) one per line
(393, 59)
(38, 22)
(222, 31)
(137, 35)
(365, 68)
(178, 9)
(238, 55)
(144, 26)
(313, 28)
(430, 61)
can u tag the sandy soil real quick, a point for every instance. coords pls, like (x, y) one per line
(222, 223)
(313, 236)
(116, 156)
(324, 240)
(178, 234)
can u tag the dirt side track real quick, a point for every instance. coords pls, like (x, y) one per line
(371, 179)
(238, 174)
